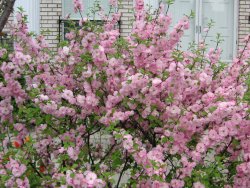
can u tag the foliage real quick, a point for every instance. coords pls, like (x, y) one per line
(105, 107)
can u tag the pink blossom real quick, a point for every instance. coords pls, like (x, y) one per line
(73, 153)
(213, 135)
(23, 183)
(223, 131)
(91, 178)
(198, 185)
(65, 50)
(104, 102)
(128, 142)
(113, 2)
(78, 6)
(80, 100)
(201, 148)
(16, 168)
(177, 183)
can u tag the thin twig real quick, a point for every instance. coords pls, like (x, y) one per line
(39, 174)
(123, 169)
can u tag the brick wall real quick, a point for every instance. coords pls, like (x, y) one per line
(244, 25)
(5, 39)
(7, 26)
(50, 12)
(126, 9)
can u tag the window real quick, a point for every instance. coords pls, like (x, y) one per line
(68, 8)
(32, 10)
(151, 4)
(223, 12)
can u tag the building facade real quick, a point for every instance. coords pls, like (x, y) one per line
(232, 18)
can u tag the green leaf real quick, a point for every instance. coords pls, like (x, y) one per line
(169, 2)
(212, 109)
(170, 98)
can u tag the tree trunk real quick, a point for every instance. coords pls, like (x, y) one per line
(6, 11)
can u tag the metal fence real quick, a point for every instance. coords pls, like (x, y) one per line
(6, 41)
(66, 25)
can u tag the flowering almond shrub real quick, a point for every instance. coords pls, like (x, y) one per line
(107, 111)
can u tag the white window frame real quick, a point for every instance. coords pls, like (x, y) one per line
(35, 12)
(62, 19)
(64, 12)
(236, 27)
(198, 24)
(76, 18)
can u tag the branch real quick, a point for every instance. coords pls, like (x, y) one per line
(108, 153)
(34, 168)
(8, 8)
(89, 150)
(123, 169)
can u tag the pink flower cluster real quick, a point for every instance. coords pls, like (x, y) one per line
(78, 6)
(16, 168)
(104, 106)
(214, 55)
(151, 161)
(113, 2)
(88, 179)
